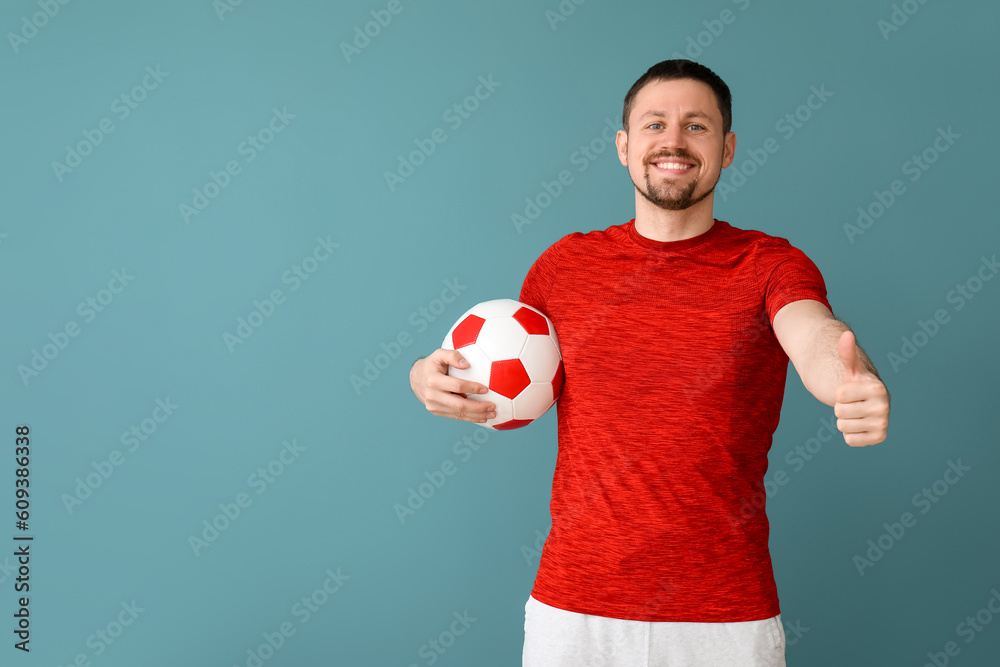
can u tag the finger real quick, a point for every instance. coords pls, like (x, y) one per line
(449, 398)
(864, 439)
(873, 429)
(847, 350)
(456, 385)
(855, 410)
(860, 390)
(447, 393)
(451, 358)
(451, 412)
(467, 409)
(859, 425)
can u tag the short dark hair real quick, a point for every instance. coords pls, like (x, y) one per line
(684, 69)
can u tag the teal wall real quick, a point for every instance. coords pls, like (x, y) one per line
(188, 166)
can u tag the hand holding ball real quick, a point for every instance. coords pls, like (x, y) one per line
(511, 348)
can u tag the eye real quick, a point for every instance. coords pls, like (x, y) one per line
(697, 126)
(655, 126)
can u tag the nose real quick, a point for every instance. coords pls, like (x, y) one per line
(673, 137)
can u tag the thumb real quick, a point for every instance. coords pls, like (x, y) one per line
(847, 350)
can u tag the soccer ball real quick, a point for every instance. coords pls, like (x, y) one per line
(512, 349)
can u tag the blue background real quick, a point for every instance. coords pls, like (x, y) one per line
(365, 443)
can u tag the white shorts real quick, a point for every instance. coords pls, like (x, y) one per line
(558, 638)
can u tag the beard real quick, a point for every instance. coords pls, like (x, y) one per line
(667, 195)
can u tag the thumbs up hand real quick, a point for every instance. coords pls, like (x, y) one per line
(862, 406)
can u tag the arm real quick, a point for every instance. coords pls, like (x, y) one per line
(835, 369)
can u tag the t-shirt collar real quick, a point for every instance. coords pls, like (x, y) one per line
(683, 244)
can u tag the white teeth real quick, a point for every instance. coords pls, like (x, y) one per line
(672, 165)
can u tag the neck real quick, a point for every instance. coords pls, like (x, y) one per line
(659, 224)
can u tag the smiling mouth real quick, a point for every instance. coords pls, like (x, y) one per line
(672, 166)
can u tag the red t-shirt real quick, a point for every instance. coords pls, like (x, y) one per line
(674, 384)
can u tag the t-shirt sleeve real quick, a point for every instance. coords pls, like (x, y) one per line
(785, 274)
(540, 278)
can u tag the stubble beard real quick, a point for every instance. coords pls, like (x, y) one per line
(669, 196)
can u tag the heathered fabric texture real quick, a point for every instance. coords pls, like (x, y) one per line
(674, 384)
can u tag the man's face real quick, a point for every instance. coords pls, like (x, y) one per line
(675, 149)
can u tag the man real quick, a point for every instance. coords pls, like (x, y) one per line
(676, 330)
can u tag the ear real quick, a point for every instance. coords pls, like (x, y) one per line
(728, 149)
(621, 140)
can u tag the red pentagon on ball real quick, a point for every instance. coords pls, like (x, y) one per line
(508, 377)
(467, 331)
(533, 323)
(512, 424)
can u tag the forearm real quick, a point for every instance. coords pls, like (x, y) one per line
(823, 370)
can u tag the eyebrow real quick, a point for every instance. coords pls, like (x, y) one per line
(657, 113)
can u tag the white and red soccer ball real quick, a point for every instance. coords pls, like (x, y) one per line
(512, 349)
